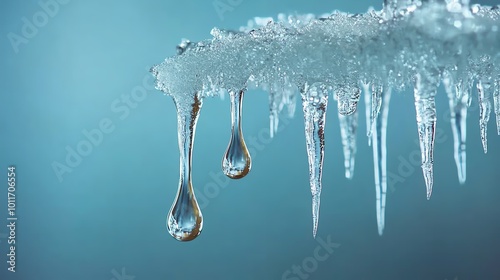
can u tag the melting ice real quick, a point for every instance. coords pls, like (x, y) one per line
(409, 44)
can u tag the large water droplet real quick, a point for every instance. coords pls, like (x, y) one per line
(237, 161)
(185, 221)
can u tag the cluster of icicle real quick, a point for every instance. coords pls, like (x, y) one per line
(407, 44)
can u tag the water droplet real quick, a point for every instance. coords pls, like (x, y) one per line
(185, 221)
(237, 161)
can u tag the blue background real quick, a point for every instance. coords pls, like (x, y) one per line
(109, 212)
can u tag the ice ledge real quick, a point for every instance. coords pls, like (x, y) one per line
(408, 44)
(337, 49)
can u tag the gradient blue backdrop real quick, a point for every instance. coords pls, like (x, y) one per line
(109, 212)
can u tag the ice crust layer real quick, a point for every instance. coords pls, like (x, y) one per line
(409, 44)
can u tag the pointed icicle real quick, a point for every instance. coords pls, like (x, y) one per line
(367, 98)
(484, 93)
(496, 102)
(348, 127)
(184, 220)
(236, 162)
(458, 118)
(314, 105)
(425, 105)
(380, 159)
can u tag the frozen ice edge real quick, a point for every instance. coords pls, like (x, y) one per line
(341, 50)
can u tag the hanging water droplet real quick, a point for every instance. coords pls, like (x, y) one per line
(184, 220)
(484, 93)
(236, 162)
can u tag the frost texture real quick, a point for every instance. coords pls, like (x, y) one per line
(409, 44)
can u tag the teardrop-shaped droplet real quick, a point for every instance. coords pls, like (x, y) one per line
(484, 93)
(236, 162)
(185, 221)
(348, 128)
(425, 105)
(314, 105)
(379, 136)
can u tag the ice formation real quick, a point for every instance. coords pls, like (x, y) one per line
(408, 44)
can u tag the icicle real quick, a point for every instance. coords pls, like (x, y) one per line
(184, 220)
(425, 92)
(458, 118)
(273, 113)
(373, 101)
(291, 103)
(236, 162)
(380, 159)
(314, 105)
(367, 98)
(347, 97)
(348, 127)
(496, 102)
(484, 93)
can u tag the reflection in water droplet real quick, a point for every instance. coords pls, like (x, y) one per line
(237, 161)
(185, 221)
